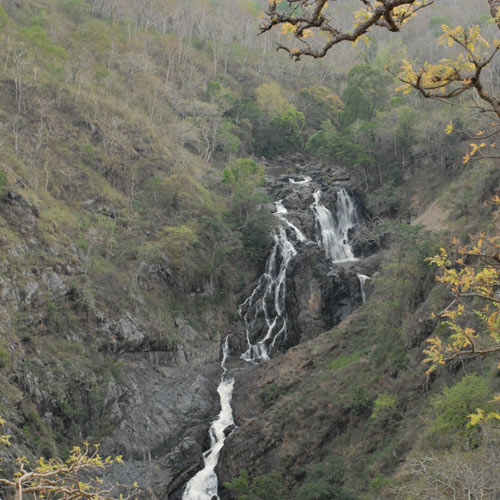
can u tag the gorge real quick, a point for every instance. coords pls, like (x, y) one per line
(218, 265)
(268, 311)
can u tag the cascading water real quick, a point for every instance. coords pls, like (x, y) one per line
(203, 486)
(304, 180)
(264, 312)
(333, 234)
(280, 211)
(362, 280)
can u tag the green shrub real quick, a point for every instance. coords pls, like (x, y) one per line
(450, 410)
(386, 201)
(4, 18)
(281, 134)
(385, 407)
(265, 487)
(270, 394)
(256, 236)
(356, 401)
(4, 358)
(378, 482)
(76, 10)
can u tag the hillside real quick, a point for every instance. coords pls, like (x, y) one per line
(159, 162)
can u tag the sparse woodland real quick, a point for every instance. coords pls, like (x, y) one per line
(134, 136)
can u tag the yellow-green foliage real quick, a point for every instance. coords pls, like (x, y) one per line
(55, 478)
(384, 407)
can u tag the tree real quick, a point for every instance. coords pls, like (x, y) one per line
(244, 178)
(312, 26)
(305, 18)
(330, 145)
(270, 99)
(4, 18)
(319, 104)
(55, 479)
(366, 92)
(285, 132)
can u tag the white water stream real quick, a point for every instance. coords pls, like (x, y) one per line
(333, 234)
(203, 486)
(264, 313)
(265, 308)
(362, 280)
(306, 179)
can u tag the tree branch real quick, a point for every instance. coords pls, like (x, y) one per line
(312, 17)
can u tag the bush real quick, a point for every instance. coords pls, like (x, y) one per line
(282, 134)
(342, 361)
(384, 408)
(318, 104)
(256, 236)
(387, 201)
(265, 487)
(76, 10)
(450, 410)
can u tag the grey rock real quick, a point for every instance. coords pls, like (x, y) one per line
(162, 416)
(55, 283)
(128, 332)
(9, 293)
(29, 292)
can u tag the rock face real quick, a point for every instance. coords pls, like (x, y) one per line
(319, 295)
(145, 390)
(283, 412)
(162, 413)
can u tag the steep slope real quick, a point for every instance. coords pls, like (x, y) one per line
(124, 256)
(115, 245)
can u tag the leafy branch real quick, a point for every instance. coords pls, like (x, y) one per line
(474, 274)
(55, 479)
(304, 18)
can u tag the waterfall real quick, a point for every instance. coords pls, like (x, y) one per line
(333, 234)
(264, 312)
(362, 280)
(203, 486)
(280, 211)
